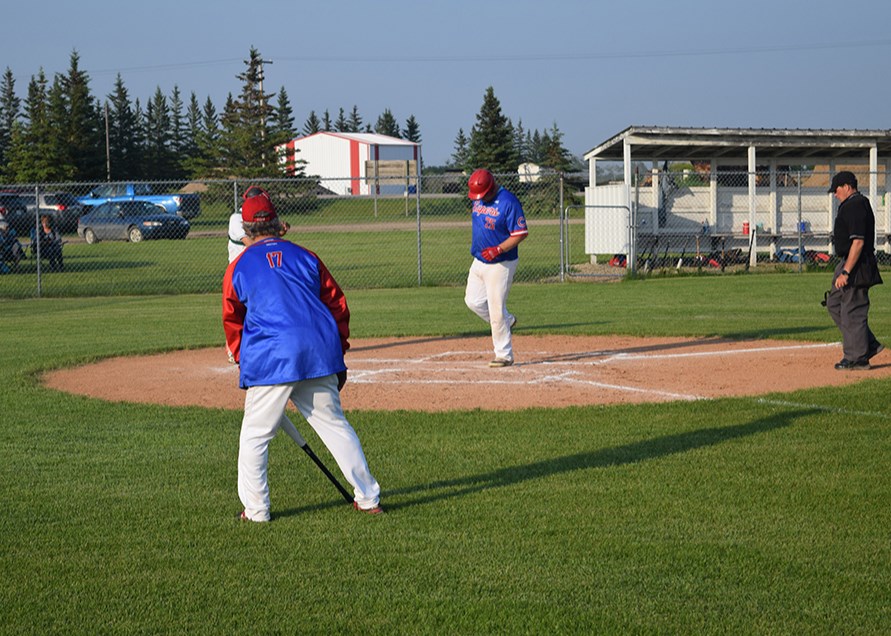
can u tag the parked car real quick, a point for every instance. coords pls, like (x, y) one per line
(15, 212)
(185, 205)
(62, 206)
(132, 221)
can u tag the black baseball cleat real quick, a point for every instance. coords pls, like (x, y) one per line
(873, 352)
(852, 365)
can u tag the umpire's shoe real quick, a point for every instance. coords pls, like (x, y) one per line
(852, 365)
(876, 350)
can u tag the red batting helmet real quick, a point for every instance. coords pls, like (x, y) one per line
(254, 191)
(257, 208)
(480, 184)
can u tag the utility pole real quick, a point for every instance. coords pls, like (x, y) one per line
(261, 62)
(107, 147)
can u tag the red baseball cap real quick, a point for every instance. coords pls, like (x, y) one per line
(257, 209)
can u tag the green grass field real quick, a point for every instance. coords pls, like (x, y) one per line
(732, 516)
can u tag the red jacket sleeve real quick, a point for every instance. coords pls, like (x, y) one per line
(233, 315)
(332, 295)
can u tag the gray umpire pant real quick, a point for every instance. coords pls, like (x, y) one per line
(849, 309)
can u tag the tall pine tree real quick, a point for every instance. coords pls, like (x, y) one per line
(387, 125)
(355, 122)
(341, 124)
(283, 131)
(283, 119)
(312, 124)
(247, 125)
(207, 161)
(178, 141)
(82, 131)
(461, 152)
(124, 146)
(491, 139)
(190, 153)
(556, 156)
(10, 111)
(30, 156)
(412, 130)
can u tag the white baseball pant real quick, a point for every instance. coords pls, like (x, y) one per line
(488, 286)
(318, 401)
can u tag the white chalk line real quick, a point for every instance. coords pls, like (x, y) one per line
(361, 378)
(609, 356)
(723, 352)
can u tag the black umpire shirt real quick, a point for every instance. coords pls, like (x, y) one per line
(855, 220)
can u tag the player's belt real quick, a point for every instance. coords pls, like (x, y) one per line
(232, 240)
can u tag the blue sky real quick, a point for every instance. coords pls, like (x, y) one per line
(592, 67)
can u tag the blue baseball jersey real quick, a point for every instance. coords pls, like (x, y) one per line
(494, 222)
(285, 317)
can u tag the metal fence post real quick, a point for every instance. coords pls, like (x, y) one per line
(417, 211)
(562, 229)
(631, 258)
(564, 216)
(800, 250)
(35, 249)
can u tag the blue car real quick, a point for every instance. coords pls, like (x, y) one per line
(132, 221)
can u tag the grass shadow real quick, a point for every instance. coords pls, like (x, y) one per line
(625, 454)
(633, 453)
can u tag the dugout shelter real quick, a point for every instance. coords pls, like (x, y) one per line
(730, 183)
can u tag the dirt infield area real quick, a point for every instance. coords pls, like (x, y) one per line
(438, 374)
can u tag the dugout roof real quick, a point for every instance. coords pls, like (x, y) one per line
(669, 143)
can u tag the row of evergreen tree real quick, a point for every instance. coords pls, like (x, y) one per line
(497, 144)
(61, 133)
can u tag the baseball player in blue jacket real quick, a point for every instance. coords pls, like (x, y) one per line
(287, 325)
(498, 226)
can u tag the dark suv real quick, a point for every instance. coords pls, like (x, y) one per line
(63, 207)
(14, 211)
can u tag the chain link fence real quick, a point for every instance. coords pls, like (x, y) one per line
(688, 219)
(171, 237)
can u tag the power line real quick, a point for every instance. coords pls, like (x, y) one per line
(518, 57)
(543, 57)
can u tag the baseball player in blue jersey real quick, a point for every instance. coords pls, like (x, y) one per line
(287, 325)
(498, 225)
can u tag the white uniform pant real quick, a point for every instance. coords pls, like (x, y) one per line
(488, 286)
(319, 402)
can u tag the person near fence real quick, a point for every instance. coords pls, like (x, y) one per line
(498, 226)
(286, 322)
(236, 229)
(853, 237)
(50, 241)
(236, 237)
(11, 250)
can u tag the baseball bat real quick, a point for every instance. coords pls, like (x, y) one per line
(683, 253)
(295, 435)
(751, 244)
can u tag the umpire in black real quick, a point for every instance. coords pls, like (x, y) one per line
(853, 237)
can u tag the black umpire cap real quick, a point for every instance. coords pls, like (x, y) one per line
(843, 178)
